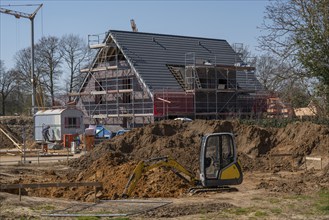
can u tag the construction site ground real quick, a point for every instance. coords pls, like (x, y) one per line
(286, 176)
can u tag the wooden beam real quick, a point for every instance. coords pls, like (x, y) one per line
(313, 158)
(100, 92)
(97, 46)
(11, 139)
(46, 185)
(97, 69)
(122, 115)
(120, 91)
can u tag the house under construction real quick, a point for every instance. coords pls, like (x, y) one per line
(137, 78)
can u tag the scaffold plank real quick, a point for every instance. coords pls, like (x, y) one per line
(122, 115)
(97, 69)
(120, 91)
(97, 46)
(100, 92)
(78, 93)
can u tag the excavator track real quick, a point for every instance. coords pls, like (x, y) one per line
(200, 189)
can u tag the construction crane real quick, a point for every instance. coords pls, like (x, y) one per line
(133, 25)
(31, 17)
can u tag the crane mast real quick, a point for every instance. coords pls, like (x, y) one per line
(31, 17)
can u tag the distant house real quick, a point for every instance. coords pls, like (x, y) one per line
(277, 109)
(137, 78)
(309, 111)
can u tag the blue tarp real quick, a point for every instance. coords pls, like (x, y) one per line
(101, 132)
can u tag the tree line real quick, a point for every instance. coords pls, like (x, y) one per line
(296, 37)
(294, 63)
(57, 72)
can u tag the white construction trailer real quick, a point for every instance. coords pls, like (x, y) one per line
(60, 121)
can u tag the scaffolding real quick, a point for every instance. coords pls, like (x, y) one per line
(220, 91)
(112, 93)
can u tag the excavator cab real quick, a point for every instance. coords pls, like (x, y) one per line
(218, 161)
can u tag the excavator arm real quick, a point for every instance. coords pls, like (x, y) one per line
(147, 165)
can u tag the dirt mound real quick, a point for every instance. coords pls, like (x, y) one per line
(167, 138)
(254, 140)
(302, 139)
(114, 160)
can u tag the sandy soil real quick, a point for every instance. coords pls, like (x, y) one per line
(274, 187)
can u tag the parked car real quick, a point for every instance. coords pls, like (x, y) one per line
(183, 119)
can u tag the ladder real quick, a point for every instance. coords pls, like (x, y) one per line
(191, 65)
(197, 80)
(178, 76)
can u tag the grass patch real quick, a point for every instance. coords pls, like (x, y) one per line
(241, 211)
(317, 204)
(260, 214)
(274, 200)
(96, 218)
(88, 218)
(276, 210)
(322, 204)
(44, 208)
(303, 197)
(256, 199)
(298, 197)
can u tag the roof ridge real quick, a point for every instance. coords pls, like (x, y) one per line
(166, 35)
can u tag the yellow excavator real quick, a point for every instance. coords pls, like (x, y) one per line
(219, 166)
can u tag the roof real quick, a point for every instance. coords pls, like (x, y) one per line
(150, 54)
(50, 112)
(248, 81)
(54, 111)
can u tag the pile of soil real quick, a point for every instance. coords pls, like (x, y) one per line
(113, 161)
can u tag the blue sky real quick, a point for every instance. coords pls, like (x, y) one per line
(233, 20)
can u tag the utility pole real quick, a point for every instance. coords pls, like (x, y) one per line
(31, 17)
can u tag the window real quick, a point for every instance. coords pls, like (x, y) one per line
(227, 150)
(72, 122)
(218, 155)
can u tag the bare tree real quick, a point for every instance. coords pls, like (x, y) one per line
(74, 52)
(7, 83)
(280, 78)
(23, 68)
(244, 53)
(296, 31)
(48, 51)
